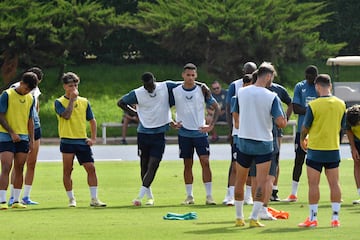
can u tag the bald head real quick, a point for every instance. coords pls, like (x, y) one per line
(249, 67)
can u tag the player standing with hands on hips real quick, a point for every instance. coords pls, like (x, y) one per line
(190, 121)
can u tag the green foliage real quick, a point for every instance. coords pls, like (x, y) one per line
(257, 30)
(343, 25)
(45, 33)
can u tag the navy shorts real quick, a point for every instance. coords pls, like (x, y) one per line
(273, 166)
(22, 146)
(320, 165)
(151, 145)
(357, 145)
(37, 133)
(187, 145)
(245, 160)
(82, 152)
(234, 152)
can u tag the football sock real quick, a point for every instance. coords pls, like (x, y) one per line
(208, 186)
(2, 196)
(27, 189)
(189, 189)
(335, 210)
(256, 208)
(231, 192)
(313, 212)
(149, 193)
(93, 192)
(142, 192)
(294, 188)
(70, 194)
(239, 208)
(17, 194)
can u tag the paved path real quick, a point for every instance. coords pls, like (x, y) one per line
(129, 152)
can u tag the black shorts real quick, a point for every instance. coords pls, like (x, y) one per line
(37, 133)
(187, 145)
(22, 146)
(245, 160)
(151, 145)
(320, 165)
(82, 152)
(273, 166)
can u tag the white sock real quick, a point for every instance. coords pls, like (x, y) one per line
(248, 192)
(335, 210)
(256, 208)
(294, 188)
(2, 196)
(11, 190)
(142, 192)
(231, 192)
(189, 189)
(275, 187)
(70, 194)
(358, 190)
(27, 190)
(17, 192)
(208, 188)
(149, 193)
(239, 209)
(93, 192)
(227, 196)
(313, 211)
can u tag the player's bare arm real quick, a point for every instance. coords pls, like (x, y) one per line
(303, 137)
(92, 140)
(31, 133)
(298, 109)
(281, 122)
(69, 109)
(15, 137)
(354, 152)
(175, 125)
(210, 126)
(127, 108)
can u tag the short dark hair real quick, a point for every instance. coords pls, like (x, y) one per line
(312, 70)
(323, 79)
(266, 68)
(39, 73)
(248, 78)
(70, 77)
(190, 66)
(249, 67)
(353, 115)
(147, 77)
(30, 79)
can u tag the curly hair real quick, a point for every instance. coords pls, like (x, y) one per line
(353, 115)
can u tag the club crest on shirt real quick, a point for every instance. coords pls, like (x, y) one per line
(22, 100)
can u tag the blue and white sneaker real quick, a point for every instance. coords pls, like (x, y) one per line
(28, 201)
(11, 201)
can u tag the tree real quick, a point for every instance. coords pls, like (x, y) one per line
(46, 33)
(343, 24)
(223, 34)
